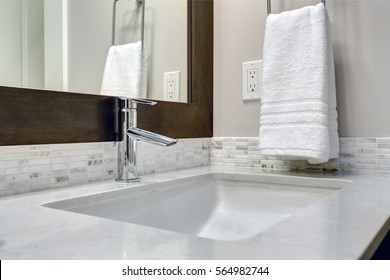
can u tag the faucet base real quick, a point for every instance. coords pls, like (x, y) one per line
(125, 181)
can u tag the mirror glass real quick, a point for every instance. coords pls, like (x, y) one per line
(63, 44)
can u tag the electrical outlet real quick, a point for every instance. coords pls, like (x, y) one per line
(251, 80)
(172, 86)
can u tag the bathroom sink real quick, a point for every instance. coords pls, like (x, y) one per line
(219, 206)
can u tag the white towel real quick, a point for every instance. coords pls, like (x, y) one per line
(125, 73)
(298, 117)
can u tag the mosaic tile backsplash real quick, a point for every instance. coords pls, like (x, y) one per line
(243, 153)
(42, 167)
(34, 168)
(368, 155)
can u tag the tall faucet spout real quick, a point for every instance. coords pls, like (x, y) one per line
(127, 147)
(138, 134)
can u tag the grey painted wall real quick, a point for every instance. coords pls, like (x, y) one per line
(361, 40)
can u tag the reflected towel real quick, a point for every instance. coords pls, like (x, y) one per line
(298, 117)
(125, 73)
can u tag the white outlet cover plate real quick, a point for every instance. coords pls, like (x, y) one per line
(246, 93)
(175, 75)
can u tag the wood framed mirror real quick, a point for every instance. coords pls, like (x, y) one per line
(29, 116)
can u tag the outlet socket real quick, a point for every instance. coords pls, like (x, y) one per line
(251, 80)
(172, 86)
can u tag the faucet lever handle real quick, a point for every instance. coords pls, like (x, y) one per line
(143, 101)
(129, 103)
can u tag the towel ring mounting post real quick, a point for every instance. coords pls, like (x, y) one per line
(139, 2)
(269, 6)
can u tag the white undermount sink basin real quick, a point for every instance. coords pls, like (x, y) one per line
(219, 206)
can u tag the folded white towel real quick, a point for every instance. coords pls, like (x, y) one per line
(332, 102)
(125, 73)
(298, 117)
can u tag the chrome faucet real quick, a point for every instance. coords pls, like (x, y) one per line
(127, 148)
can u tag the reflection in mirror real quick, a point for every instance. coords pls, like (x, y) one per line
(63, 44)
(22, 43)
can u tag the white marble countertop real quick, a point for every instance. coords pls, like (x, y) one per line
(348, 224)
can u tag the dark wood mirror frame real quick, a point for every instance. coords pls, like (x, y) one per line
(30, 116)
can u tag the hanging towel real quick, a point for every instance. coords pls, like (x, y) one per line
(298, 118)
(125, 73)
